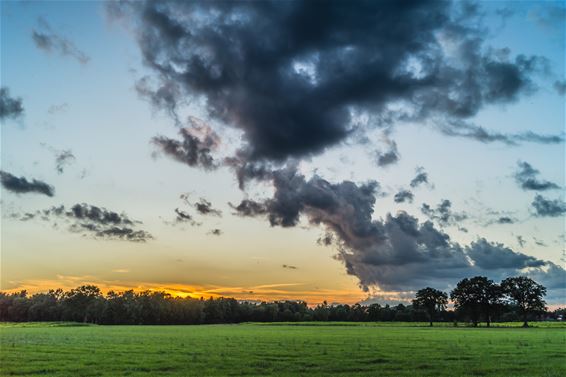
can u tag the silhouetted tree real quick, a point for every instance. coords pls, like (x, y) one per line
(88, 304)
(526, 294)
(82, 304)
(491, 299)
(432, 300)
(467, 297)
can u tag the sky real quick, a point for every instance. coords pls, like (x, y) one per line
(345, 151)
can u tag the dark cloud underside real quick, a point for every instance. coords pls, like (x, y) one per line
(295, 76)
(194, 148)
(403, 196)
(93, 221)
(527, 178)
(397, 253)
(298, 77)
(548, 207)
(204, 207)
(22, 186)
(420, 178)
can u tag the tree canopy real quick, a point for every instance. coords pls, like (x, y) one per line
(517, 298)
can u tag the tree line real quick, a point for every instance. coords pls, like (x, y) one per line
(477, 298)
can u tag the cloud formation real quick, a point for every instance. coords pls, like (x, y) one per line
(548, 207)
(97, 222)
(443, 213)
(47, 40)
(472, 131)
(391, 155)
(527, 178)
(185, 217)
(215, 232)
(395, 253)
(403, 196)
(10, 107)
(22, 186)
(249, 208)
(505, 220)
(420, 178)
(204, 207)
(297, 79)
(63, 158)
(195, 147)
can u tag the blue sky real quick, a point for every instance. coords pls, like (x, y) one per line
(94, 110)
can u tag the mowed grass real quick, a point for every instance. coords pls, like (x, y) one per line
(281, 350)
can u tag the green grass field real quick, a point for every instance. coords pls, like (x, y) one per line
(392, 349)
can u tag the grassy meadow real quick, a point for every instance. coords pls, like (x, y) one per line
(344, 349)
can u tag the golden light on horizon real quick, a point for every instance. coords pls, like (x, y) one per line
(263, 292)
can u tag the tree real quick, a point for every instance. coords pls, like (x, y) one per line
(476, 296)
(82, 304)
(492, 299)
(432, 300)
(526, 293)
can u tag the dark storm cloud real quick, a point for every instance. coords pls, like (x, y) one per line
(420, 178)
(10, 107)
(527, 178)
(23, 186)
(326, 239)
(403, 196)
(198, 141)
(489, 256)
(204, 207)
(397, 252)
(548, 207)
(47, 40)
(249, 170)
(443, 213)
(94, 221)
(297, 76)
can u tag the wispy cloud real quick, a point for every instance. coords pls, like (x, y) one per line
(49, 41)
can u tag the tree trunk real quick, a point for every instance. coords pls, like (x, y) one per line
(525, 324)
